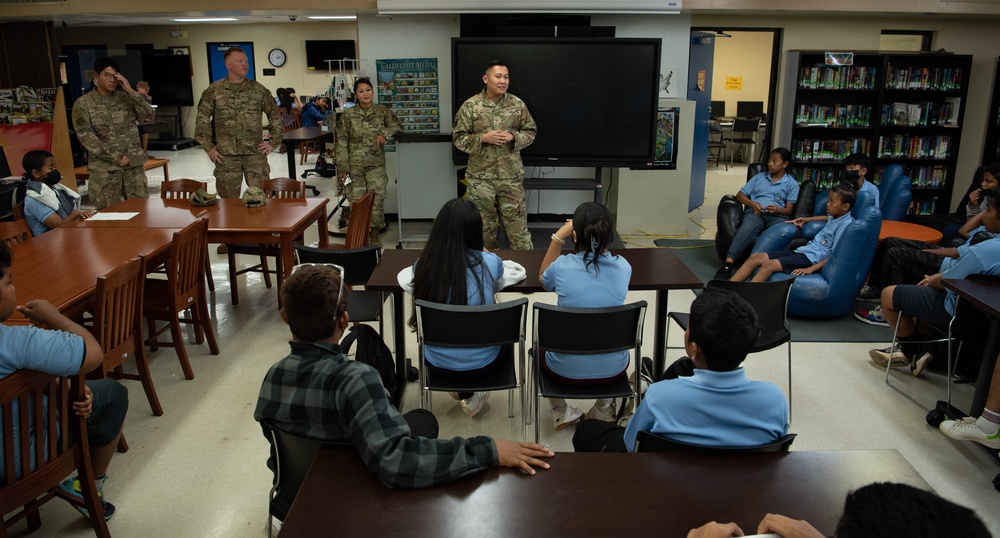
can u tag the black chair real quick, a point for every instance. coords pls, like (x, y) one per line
(457, 326)
(716, 144)
(585, 331)
(293, 456)
(358, 264)
(650, 442)
(729, 215)
(744, 134)
(770, 301)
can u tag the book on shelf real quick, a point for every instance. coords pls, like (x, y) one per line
(924, 78)
(837, 78)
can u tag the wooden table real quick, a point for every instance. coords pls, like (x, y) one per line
(62, 265)
(302, 134)
(279, 221)
(909, 230)
(656, 269)
(583, 494)
(83, 173)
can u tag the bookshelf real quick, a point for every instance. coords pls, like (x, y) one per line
(899, 108)
(991, 147)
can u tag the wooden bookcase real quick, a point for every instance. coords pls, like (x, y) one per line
(898, 108)
(991, 147)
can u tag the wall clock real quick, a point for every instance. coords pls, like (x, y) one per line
(276, 57)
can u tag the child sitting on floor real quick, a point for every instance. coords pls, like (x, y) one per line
(812, 256)
(47, 203)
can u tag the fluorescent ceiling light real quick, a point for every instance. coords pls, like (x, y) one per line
(405, 7)
(213, 19)
(334, 17)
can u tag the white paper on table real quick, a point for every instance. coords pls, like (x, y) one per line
(113, 215)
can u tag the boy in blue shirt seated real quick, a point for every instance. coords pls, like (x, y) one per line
(47, 202)
(717, 405)
(857, 167)
(769, 198)
(812, 256)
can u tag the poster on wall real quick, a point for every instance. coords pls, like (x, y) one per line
(665, 141)
(25, 104)
(410, 88)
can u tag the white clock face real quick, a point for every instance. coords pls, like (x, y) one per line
(276, 57)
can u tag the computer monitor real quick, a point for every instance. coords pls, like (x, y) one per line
(718, 109)
(750, 109)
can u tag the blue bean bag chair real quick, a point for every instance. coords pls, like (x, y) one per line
(894, 192)
(831, 292)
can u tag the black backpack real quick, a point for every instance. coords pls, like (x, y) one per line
(11, 194)
(373, 352)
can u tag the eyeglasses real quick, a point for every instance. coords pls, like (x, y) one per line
(106, 74)
(340, 270)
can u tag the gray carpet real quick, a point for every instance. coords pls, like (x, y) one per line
(700, 257)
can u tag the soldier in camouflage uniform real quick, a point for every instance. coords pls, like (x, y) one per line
(239, 148)
(493, 127)
(361, 135)
(105, 121)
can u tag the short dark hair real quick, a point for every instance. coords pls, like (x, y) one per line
(859, 159)
(993, 169)
(494, 63)
(230, 51)
(103, 63)
(308, 298)
(725, 327)
(891, 510)
(34, 160)
(993, 198)
(847, 191)
(363, 80)
(6, 258)
(783, 153)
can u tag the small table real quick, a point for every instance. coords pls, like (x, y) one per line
(83, 173)
(302, 134)
(654, 494)
(909, 230)
(657, 269)
(62, 265)
(281, 220)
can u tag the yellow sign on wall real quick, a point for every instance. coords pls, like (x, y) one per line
(734, 83)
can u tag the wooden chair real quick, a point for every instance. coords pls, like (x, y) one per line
(182, 189)
(359, 223)
(274, 188)
(118, 327)
(19, 211)
(184, 289)
(14, 233)
(47, 454)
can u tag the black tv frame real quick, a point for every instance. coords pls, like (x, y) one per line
(572, 90)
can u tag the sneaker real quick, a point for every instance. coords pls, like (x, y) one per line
(472, 406)
(565, 415)
(891, 355)
(724, 273)
(72, 487)
(607, 413)
(872, 317)
(967, 430)
(921, 363)
(869, 293)
(221, 249)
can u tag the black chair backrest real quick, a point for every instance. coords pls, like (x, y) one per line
(448, 325)
(714, 127)
(358, 263)
(294, 456)
(741, 125)
(650, 442)
(768, 299)
(755, 168)
(585, 331)
(807, 200)
(4, 166)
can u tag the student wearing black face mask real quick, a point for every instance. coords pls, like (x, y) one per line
(48, 203)
(857, 166)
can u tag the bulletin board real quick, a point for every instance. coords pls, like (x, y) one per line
(409, 87)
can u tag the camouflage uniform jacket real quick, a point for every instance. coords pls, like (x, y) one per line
(357, 130)
(236, 109)
(106, 126)
(477, 116)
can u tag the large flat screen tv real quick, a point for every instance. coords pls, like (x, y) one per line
(169, 78)
(594, 99)
(318, 52)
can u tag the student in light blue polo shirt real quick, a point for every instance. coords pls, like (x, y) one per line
(769, 198)
(857, 168)
(811, 257)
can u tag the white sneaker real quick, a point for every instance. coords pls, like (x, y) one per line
(892, 355)
(607, 412)
(921, 363)
(967, 430)
(565, 415)
(472, 406)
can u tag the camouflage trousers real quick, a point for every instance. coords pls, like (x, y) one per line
(229, 174)
(106, 188)
(372, 180)
(508, 195)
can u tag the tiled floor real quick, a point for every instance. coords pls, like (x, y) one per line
(199, 469)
